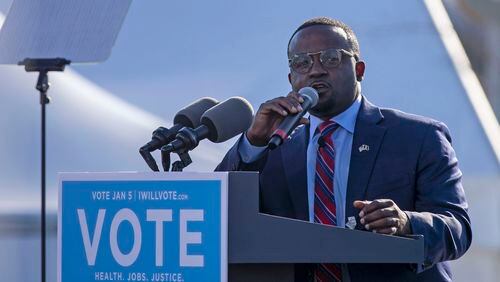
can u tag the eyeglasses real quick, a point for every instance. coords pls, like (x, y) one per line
(329, 58)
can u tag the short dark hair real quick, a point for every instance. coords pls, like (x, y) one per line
(352, 40)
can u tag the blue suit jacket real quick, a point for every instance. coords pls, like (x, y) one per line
(410, 160)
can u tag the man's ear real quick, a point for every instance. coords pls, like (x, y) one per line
(290, 78)
(360, 70)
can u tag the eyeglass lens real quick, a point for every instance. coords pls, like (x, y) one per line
(302, 63)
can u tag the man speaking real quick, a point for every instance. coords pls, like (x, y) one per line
(396, 173)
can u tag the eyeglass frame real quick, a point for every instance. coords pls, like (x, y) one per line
(341, 51)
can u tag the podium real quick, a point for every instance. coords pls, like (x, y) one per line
(264, 247)
(198, 227)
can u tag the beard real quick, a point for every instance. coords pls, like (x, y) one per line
(323, 110)
(334, 103)
(326, 108)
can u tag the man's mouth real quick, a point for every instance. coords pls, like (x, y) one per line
(320, 86)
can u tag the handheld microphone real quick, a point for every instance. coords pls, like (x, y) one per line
(189, 116)
(218, 124)
(310, 96)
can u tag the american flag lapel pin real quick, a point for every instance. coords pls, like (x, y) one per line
(364, 147)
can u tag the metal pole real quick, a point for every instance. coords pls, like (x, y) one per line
(43, 187)
(43, 66)
(43, 86)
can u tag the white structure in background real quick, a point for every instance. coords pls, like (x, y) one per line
(478, 24)
(414, 63)
(484, 202)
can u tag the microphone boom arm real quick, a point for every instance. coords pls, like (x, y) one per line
(185, 140)
(161, 136)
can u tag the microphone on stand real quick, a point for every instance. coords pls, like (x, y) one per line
(288, 124)
(189, 116)
(218, 124)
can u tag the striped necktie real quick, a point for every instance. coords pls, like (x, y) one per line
(324, 197)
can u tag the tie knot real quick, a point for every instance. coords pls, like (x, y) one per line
(326, 128)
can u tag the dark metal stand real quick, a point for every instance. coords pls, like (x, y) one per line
(183, 162)
(43, 66)
(185, 140)
(161, 136)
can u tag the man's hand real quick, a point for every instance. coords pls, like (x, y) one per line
(270, 115)
(383, 216)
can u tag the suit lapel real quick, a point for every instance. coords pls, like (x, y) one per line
(293, 153)
(368, 136)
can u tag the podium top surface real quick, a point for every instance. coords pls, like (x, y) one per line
(79, 31)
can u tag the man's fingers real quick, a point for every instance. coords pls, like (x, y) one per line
(383, 216)
(383, 223)
(296, 99)
(375, 205)
(270, 115)
(378, 214)
(296, 96)
(291, 107)
(283, 105)
(273, 107)
(360, 204)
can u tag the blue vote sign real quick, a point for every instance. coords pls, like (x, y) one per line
(154, 227)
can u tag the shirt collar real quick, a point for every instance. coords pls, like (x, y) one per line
(346, 119)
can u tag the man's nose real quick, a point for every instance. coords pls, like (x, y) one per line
(317, 68)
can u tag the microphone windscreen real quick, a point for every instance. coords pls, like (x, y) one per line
(228, 119)
(311, 93)
(190, 115)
